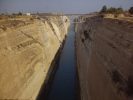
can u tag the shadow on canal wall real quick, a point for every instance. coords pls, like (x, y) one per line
(64, 83)
(43, 94)
(104, 59)
(78, 88)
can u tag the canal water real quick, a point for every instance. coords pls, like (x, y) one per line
(63, 85)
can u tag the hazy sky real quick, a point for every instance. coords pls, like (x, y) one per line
(66, 6)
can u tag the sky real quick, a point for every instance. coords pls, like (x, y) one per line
(64, 6)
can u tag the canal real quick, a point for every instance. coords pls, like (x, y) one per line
(63, 86)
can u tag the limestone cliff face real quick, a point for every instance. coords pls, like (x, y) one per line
(104, 49)
(27, 48)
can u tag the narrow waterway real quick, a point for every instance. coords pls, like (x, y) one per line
(63, 86)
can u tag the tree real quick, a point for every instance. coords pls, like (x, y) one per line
(131, 10)
(120, 10)
(104, 9)
(20, 14)
(111, 10)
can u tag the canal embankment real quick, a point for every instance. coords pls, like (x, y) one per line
(104, 58)
(28, 48)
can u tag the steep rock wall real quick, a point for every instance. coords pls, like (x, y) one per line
(104, 50)
(27, 48)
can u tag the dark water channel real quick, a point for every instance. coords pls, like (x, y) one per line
(63, 86)
(64, 80)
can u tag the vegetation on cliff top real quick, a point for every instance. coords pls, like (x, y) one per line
(111, 10)
(131, 10)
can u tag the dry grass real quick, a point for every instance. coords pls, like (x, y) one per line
(14, 21)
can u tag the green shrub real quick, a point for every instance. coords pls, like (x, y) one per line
(20, 14)
(112, 10)
(131, 10)
(104, 9)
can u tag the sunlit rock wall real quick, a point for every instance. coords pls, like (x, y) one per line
(27, 48)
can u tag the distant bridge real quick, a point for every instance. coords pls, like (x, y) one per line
(80, 19)
(58, 14)
(63, 14)
(74, 14)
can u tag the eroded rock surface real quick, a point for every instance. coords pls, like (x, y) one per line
(104, 49)
(27, 48)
